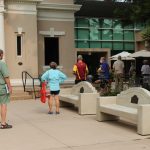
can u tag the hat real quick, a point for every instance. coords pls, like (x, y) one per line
(80, 57)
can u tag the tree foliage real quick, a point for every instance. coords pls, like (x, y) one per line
(138, 10)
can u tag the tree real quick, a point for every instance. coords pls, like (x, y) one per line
(138, 10)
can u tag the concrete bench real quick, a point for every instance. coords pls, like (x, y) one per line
(132, 104)
(83, 96)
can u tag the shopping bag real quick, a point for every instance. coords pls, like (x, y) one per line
(43, 92)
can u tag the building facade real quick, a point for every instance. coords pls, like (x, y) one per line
(35, 32)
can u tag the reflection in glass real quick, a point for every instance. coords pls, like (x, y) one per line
(95, 44)
(94, 32)
(106, 23)
(128, 35)
(83, 22)
(129, 46)
(117, 24)
(83, 34)
(117, 34)
(106, 34)
(118, 46)
(83, 44)
(107, 45)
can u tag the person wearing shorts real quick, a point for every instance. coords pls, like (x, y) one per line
(53, 77)
(5, 91)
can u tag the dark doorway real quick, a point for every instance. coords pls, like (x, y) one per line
(51, 50)
(92, 60)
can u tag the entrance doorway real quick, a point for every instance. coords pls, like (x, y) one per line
(51, 50)
(92, 60)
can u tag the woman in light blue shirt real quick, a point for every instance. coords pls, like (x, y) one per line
(54, 77)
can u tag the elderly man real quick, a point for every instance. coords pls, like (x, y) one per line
(5, 90)
(118, 68)
(80, 70)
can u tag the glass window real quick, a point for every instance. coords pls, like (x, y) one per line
(117, 24)
(76, 44)
(140, 25)
(117, 34)
(95, 44)
(106, 23)
(128, 35)
(107, 45)
(94, 22)
(118, 46)
(83, 22)
(94, 33)
(83, 44)
(129, 26)
(129, 46)
(106, 34)
(19, 45)
(76, 22)
(76, 33)
(83, 34)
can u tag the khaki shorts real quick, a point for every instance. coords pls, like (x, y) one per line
(4, 99)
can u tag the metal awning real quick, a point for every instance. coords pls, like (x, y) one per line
(99, 9)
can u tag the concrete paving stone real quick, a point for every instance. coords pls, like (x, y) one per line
(34, 129)
(143, 144)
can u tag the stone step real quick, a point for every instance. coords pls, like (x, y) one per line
(19, 94)
(21, 97)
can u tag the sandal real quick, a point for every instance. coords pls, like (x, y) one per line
(5, 126)
(50, 112)
(57, 112)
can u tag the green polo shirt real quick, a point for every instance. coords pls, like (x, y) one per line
(3, 73)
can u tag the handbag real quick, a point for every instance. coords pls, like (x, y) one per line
(43, 92)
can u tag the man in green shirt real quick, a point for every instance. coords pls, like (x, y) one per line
(5, 91)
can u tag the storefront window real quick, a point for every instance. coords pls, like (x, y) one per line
(117, 46)
(107, 45)
(117, 24)
(117, 34)
(83, 22)
(128, 35)
(83, 44)
(83, 33)
(129, 46)
(95, 44)
(106, 34)
(106, 23)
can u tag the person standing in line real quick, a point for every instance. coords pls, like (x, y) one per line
(5, 91)
(118, 68)
(104, 75)
(104, 68)
(80, 70)
(54, 77)
(145, 71)
(132, 74)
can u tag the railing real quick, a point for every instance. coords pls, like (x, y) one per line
(25, 77)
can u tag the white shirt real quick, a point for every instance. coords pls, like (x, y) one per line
(145, 69)
(118, 66)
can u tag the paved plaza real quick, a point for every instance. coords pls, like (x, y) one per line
(34, 129)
